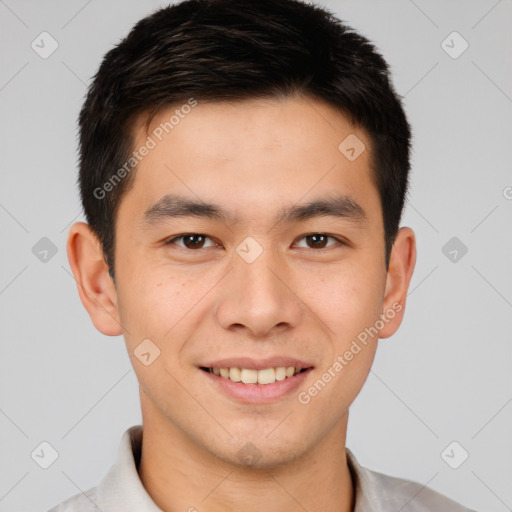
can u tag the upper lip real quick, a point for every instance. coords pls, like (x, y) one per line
(251, 363)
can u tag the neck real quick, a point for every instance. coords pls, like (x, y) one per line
(179, 474)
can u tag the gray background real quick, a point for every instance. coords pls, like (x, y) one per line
(445, 376)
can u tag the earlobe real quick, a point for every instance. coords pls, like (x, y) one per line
(401, 267)
(95, 286)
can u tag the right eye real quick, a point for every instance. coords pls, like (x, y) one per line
(190, 241)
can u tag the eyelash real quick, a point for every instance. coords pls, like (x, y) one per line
(171, 241)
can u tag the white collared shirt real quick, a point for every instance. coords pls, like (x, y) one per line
(121, 489)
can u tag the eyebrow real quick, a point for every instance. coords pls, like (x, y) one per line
(172, 206)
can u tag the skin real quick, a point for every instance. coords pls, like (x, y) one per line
(297, 300)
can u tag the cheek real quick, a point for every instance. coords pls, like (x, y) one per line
(163, 306)
(150, 304)
(351, 305)
(349, 299)
(155, 308)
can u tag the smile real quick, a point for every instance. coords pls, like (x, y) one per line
(252, 376)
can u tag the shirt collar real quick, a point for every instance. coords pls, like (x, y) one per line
(121, 489)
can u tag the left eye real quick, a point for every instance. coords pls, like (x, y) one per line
(318, 240)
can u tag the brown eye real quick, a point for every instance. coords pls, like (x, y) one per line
(318, 241)
(190, 241)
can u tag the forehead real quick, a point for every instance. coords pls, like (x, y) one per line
(228, 129)
(253, 154)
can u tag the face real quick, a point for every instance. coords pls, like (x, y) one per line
(275, 276)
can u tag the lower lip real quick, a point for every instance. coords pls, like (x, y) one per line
(258, 393)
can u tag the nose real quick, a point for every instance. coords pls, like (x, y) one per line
(258, 298)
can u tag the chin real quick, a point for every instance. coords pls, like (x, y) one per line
(256, 451)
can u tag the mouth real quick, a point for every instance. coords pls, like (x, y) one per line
(257, 382)
(252, 376)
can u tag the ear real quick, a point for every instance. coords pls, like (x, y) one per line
(95, 286)
(401, 266)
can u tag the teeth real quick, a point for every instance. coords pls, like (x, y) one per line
(249, 376)
(235, 374)
(266, 376)
(280, 373)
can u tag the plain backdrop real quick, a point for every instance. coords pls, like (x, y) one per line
(444, 378)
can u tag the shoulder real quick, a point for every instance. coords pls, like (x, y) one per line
(81, 502)
(377, 491)
(415, 497)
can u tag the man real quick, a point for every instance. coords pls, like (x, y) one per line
(243, 170)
